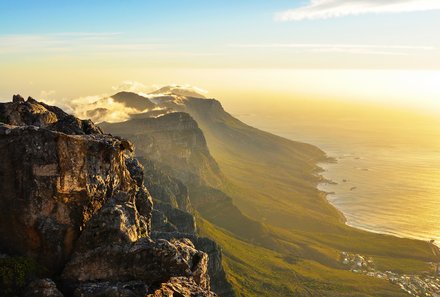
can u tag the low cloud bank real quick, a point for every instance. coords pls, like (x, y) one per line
(103, 108)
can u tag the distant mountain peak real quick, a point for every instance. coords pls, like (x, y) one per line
(133, 100)
(180, 90)
(128, 104)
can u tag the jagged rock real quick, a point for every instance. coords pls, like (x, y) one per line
(145, 208)
(180, 286)
(126, 145)
(71, 200)
(167, 218)
(164, 187)
(136, 170)
(32, 112)
(161, 223)
(43, 288)
(52, 184)
(219, 283)
(111, 248)
(144, 260)
(118, 221)
(17, 99)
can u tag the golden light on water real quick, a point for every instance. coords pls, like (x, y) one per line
(388, 170)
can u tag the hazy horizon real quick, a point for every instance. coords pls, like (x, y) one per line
(381, 51)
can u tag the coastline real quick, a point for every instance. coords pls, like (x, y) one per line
(322, 180)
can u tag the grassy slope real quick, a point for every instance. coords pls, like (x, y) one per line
(256, 271)
(274, 183)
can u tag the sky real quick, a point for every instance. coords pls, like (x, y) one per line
(74, 48)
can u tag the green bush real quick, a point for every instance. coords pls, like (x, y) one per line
(15, 272)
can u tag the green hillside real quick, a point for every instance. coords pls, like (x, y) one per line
(273, 180)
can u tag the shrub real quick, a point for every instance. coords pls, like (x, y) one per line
(15, 272)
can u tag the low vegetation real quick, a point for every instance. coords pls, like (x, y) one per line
(273, 182)
(15, 272)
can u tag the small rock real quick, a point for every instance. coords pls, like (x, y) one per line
(43, 288)
(17, 99)
(126, 145)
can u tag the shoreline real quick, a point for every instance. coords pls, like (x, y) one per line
(324, 180)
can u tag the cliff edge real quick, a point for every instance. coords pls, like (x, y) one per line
(73, 201)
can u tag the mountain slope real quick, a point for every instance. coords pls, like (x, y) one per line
(273, 181)
(177, 145)
(241, 149)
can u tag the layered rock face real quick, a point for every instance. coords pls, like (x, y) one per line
(72, 199)
(175, 142)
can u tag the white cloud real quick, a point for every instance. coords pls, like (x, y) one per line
(103, 107)
(326, 9)
(181, 90)
(160, 90)
(135, 87)
(98, 108)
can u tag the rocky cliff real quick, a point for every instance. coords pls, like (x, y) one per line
(177, 161)
(173, 219)
(73, 200)
(217, 275)
(175, 142)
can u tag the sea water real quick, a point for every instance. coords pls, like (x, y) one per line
(386, 189)
(386, 177)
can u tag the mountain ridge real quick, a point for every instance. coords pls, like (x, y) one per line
(273, 181)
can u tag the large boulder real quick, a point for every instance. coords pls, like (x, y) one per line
(51, 185)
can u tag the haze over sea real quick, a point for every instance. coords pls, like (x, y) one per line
(387, 175)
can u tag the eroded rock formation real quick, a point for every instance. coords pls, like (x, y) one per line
(73, 200)
(175, 142)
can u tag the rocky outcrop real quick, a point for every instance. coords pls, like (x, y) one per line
(170, 222)
(219, 282)
(51, 185)
(171, 219)
(73, 200)
(175, 142)
(166, 188)
(33, 113)
(167, 218)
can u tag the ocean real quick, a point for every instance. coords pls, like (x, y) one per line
(387, 175)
